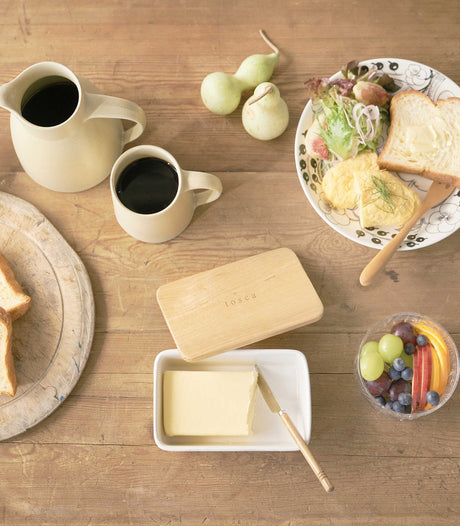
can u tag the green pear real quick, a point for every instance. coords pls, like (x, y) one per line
(221, 92)
(265, 114)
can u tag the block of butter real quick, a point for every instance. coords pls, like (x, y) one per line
(209, 403)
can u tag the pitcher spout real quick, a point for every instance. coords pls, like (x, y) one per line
(12, 93)
(7, 97)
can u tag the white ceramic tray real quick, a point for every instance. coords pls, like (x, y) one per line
(285, 370)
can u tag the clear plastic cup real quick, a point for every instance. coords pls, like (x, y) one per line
(384, 327)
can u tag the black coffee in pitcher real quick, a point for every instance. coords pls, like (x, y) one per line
(147, 185)
(49, 101)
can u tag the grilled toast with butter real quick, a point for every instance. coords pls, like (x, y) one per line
(424, 137)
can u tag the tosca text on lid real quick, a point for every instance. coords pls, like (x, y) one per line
(239, 303)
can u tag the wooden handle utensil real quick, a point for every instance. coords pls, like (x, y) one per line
(274, 407)
(301, 444)
(436, 194)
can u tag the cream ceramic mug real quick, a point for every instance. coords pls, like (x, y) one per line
(153, 197)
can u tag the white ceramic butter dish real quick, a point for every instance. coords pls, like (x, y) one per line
(285, 370)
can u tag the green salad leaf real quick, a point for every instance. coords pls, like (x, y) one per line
(351, 110)
(339, 137)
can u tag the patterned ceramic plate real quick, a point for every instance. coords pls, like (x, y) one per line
(440, 222)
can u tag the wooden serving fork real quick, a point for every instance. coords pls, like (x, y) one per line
(435, 195)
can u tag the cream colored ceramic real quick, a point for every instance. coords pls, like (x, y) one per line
(78, 153)
(171, 221)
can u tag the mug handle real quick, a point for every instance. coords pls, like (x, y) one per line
(105, 107)
(211, 185)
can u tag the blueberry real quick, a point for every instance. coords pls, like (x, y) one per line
(405, 399)
(394, 374)
(422, 340)
(399, 364)
(407, 373)
(389, 405)
(432, 397)
(380, 399)
(398, 407)
(409, 348)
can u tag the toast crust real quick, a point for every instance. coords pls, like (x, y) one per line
(12, 297)
(385, 158)
(8, 383)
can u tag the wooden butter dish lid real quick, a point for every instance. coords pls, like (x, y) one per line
(238, 304)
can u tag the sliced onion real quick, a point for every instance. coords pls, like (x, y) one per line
(371, 116)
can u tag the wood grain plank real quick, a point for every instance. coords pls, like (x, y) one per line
(140, 486)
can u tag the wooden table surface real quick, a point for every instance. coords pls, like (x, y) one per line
(94, 459)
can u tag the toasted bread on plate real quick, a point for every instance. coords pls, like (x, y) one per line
(7, 373)
(12, 297)
(424, 137)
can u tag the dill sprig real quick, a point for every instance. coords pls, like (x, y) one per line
(382, 191)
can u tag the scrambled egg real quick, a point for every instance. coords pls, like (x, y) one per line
(383, 199)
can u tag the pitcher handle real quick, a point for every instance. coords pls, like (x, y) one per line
(209, 183)
(105, 107)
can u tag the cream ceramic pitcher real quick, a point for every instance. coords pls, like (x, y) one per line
(68, 137)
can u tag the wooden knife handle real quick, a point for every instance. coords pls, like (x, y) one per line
(322, 477)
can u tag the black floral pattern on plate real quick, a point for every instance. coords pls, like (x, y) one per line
(437, 224)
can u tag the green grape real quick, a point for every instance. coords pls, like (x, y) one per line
(390, 347)
(369, 347)
(371, 366)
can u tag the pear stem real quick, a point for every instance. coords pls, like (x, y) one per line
(268, 90)
(269, 42)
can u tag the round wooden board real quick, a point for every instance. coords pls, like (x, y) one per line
(52, 341)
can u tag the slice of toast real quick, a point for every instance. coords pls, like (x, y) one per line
(7, 373)
(424, 138)
(12, 297)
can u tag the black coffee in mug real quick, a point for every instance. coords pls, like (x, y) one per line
(147, 185)
(50, 101)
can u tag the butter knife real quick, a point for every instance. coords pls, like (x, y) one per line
(275, 408)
